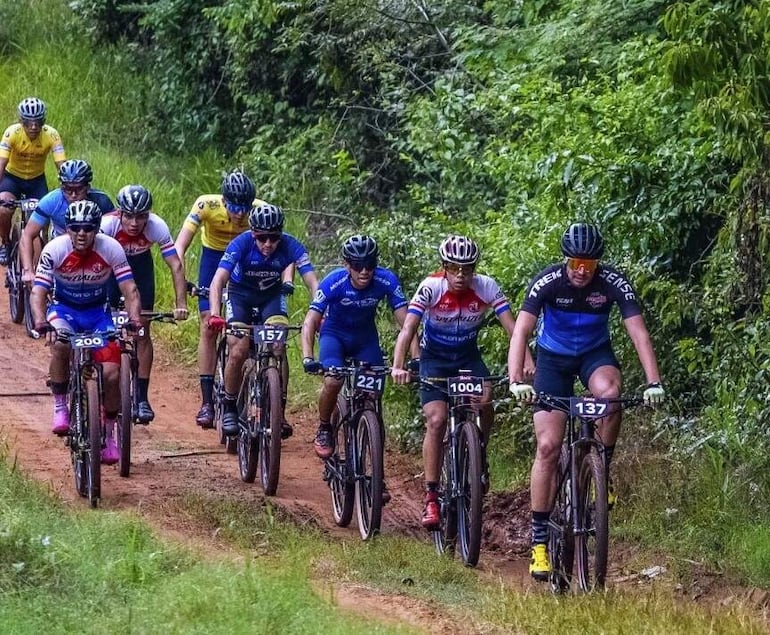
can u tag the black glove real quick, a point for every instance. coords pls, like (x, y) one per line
(287, 288)
(413, 366)
(134, 328)
(41, 328)
(311, 366)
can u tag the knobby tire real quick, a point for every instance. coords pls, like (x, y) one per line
(470, 502)
(95, 442)
(445, 536)
(340, 481)
(370, 476)
(219, 387)
(248, 435)
(125, 420)
(270, 439)
(561, 541)
(592, 539)
(77, 438)
(13, 278)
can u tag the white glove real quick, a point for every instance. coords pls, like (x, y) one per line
(654, 394)
(522, 392)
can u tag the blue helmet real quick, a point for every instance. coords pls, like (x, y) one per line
(75, 171)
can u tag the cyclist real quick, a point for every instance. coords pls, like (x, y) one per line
(137, 228)
(222, 217)
(451, 303)
(75, 176)
(77, 267)
(256, 265)
(23, 151)
(347, 301)
(573, 341)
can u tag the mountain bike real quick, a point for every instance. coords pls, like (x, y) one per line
(579, 522)
(18, 292)
(260, 403)
(355, 470)
(129, 368)
(461, 487)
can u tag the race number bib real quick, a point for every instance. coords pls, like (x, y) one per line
(465, 386)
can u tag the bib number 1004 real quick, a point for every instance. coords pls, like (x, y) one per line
(465, 386)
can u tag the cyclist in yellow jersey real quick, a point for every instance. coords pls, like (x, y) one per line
(24, 148)
(221, 217)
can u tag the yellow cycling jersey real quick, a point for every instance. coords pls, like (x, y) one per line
(26, 158)
(209, 213)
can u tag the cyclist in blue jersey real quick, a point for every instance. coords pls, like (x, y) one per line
(258, 267)
(575, 298)
(451, 305)
(75, 176)
(346, 302)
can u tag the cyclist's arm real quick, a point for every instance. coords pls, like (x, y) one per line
(640, 336)
(218, 283)
(31, 229)
(3, 163)
(517, 351)
(131, 297)
(287, 275)
(310, 327)
(58, 164)
(405, 340)
(414, 345)
(180, 284)
(311, 281)
(183, 241)
(38, 299)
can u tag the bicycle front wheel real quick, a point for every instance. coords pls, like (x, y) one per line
(445, 536)
(94, 453)
(338, 468)
(125, 420)
(369, 474)
(470, 501)
(13, 278)
(561, 540)
(592, 536)
(76, 439)
(270, 428)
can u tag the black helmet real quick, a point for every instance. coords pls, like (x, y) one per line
(82, 212)
(459, 250)
(582, 240)
(32, 108)
(360, 247)
(238, 189)
(266, 218)
(134, 200)
(75, 171)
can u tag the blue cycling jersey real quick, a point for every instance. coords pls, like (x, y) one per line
(53, 208)
(251, 271)
(576, 320)
(350, 310)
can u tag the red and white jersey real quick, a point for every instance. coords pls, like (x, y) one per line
(155, 231)
(81, 279)
(451, 321)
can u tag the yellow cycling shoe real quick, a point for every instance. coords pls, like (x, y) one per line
(540, 565)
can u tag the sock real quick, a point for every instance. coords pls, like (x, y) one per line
(207, 388)
(540, 527)
(142, 388)
(59, 402)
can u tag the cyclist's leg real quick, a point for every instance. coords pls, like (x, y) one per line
(274, 310)
(238, 309)
(35, 188)
(331, 352)
(109, 357)
(207, 354)
(144, 275)
(63, 320)
(9, 191)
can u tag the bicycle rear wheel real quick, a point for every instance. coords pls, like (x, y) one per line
(561, 540)
(337, 468)
(270, 427)
(592, 538)
(445, 537)
(370, 474)
(125, 420)
(469, 504)
(13, 278)
(94, 452)
(248, 436)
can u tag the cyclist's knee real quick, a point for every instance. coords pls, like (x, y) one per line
(548, 450)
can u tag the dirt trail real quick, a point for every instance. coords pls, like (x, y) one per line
(173, 458)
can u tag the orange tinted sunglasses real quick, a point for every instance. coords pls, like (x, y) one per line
(589, 266)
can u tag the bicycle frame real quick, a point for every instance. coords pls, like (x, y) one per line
(18, 292)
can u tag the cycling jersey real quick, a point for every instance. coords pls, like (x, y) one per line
(576, 320)
(26, 158)
(251, 271)
(81, 279)
(155, 231)
(351, 310)
(209, 213)
(53, 208)
(451, 321)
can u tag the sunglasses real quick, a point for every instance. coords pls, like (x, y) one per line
(76, 228)
(588, 266)
(456, 269)
(234, 208)
(74, 189)
(32, 122)
(370, 264)
(263, 238)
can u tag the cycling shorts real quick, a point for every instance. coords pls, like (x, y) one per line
(555, 374)
(431, 366)
(143, 269)
(32, 188)
(65, 317)
(208, 267)
(253, 308)
(335, 347)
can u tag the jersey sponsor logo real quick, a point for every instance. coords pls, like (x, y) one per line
(473, 307)
(201, 205)
(425, 294)
(596, 300)
(564, 301)
(617, 280)
(361, 302)
(543, 281)
(319, 296)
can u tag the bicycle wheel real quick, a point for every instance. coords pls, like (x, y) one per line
(337, 468)
(445, 537)
(76, 439)
(13, 278)
(270, 426)
(125, 419)
(561, 540)
(248, 436)
(471, 490)
(369, 474)
(592, 537)
(94, 453)
(219, 387)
